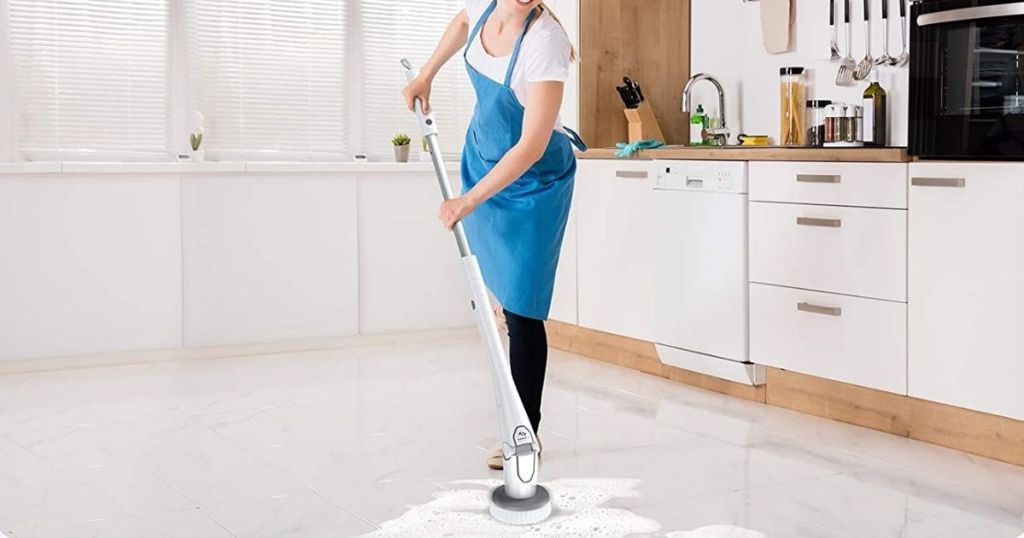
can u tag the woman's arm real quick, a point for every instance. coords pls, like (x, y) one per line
(544, 101)
(452, 41)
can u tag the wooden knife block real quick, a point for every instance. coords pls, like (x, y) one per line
(643, 125)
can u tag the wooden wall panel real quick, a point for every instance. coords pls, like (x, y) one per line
(647, 40)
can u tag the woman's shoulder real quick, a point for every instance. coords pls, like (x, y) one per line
(548, 34)
(475, 8)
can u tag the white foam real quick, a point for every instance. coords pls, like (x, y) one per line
(578, 513)
(717, 531)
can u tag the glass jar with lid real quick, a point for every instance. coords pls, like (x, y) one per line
(817, 111)
(791, 117)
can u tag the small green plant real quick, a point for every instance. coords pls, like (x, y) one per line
(401, 139)
(196, 139)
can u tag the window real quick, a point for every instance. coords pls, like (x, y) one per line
(90, 78)
(274, 79)
(412, 31)
(269, 76)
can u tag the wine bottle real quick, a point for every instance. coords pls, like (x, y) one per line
(875, 114)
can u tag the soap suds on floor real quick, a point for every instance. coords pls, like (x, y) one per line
(717, 531)
(577, 513)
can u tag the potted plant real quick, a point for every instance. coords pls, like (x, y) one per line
(402, 142)
(195, 138)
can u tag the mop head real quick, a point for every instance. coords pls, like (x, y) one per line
(520, 511)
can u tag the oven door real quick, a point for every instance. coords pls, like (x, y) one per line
(967, 79)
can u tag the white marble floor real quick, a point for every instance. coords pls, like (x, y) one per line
(349, 441)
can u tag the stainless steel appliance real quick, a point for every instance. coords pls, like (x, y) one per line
(967, 79)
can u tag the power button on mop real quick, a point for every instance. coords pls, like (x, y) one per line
(430, 121)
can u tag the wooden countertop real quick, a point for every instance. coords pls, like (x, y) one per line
(762, 153)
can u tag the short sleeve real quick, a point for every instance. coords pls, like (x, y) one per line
(548, 58)
(474, 9)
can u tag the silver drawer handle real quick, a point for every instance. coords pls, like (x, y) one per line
(824, 223)
(818, 309)
(630, 174)
(818, 178)
(956, 182)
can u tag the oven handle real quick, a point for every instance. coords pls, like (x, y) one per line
(971, 13)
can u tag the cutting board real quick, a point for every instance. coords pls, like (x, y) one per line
(776, 23)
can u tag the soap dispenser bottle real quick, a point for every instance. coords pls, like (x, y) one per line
(698, 123)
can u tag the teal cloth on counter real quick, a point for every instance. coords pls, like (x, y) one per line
(627, 150)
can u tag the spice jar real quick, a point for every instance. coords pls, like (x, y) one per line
(834, 123)
(791, 118)
(817, 111)
(858, 124)
(850, 134)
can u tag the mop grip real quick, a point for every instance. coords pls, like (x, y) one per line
(428, 126)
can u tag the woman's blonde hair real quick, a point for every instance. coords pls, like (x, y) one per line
(574, 56)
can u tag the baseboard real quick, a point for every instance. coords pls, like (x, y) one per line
(991, 436)
(97, 360)
(639, 355)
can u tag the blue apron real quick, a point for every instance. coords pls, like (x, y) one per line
(517, 233)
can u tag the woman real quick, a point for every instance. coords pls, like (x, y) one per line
(518, 167)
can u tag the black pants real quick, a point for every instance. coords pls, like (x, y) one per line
(528, 353)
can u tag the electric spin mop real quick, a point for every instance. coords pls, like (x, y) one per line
(520, 501)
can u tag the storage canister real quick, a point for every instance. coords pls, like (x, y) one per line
(817, 111)
(791, 118)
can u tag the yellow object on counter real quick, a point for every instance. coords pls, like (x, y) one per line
(753, 140)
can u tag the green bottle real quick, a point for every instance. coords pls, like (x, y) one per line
(698, 122)
(876, 132)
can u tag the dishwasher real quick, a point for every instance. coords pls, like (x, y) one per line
(701, 300)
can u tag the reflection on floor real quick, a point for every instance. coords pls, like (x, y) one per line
(349, 441)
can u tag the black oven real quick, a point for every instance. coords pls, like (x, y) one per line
(967, 79)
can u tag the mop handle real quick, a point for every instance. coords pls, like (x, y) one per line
(428, 127)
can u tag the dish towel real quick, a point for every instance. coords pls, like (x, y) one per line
(627, 150)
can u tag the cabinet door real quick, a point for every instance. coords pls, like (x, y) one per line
(615, 206)
(966, 285)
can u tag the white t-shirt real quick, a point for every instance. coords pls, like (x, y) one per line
(544, 55)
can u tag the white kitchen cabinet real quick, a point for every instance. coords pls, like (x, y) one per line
(90, 264)
(563, 302)
(851, 250)
(849, 339)
(966, 285)
(269, 257)
(830, 183)
(615, 210)
(410, 277)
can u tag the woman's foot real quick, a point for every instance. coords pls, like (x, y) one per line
(496, 461)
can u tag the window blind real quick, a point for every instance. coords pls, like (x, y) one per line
(411, 30)
(269, 77)
(90, 78)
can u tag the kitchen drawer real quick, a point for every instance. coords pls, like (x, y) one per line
(852, 184)
(849, 339)
(851, 250)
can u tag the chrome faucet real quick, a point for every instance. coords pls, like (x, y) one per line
(719, 135)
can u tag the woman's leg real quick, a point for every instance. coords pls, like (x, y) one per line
(528, 353)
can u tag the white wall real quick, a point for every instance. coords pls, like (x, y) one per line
(726, 42)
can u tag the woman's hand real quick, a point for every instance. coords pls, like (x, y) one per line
(418, 88)
(455, 210)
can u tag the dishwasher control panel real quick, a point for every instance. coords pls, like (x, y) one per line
(709, 176)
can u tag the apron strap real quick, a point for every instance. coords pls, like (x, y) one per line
(575, 139)
(479, 25)
(519, 44)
